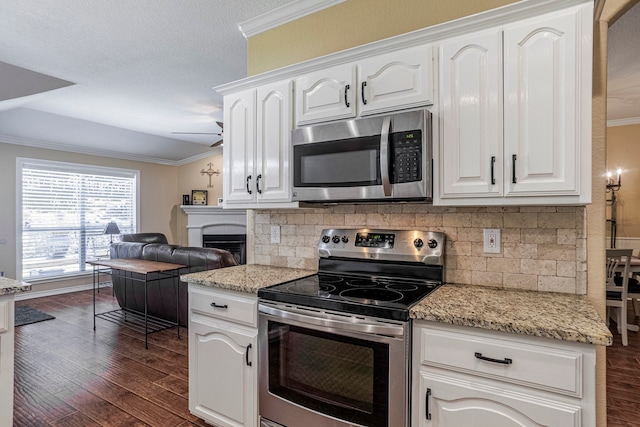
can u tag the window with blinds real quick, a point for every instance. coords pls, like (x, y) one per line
(63, 209)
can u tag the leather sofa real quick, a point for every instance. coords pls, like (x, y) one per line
(161, 298)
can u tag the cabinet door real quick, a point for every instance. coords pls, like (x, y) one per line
(541, 80)
(273, 182)
(444, 401)
(327, 94)
(239, 147)
(401, 79)
(222, 386)
(471, 137)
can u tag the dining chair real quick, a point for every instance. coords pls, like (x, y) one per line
(617, 293)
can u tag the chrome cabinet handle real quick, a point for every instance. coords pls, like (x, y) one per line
(258, 183)
(364, 84)
(246, 356)
(214, 305)
(505, 361)
(249, 190)
(513, 169)
(346, 102)
(493, 163)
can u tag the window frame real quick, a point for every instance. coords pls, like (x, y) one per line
(81, 168)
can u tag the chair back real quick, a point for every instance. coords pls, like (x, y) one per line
(618, 261)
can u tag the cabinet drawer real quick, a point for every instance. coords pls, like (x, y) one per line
(4, 316)
(536, 366)
(224, 305)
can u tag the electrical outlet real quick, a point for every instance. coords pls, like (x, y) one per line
(492, 240)
(275, 234)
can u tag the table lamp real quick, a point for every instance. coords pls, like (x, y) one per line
(111, 228)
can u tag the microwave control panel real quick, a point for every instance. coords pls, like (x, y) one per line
(407, 156)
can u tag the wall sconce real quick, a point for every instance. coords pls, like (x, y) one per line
(613, 185)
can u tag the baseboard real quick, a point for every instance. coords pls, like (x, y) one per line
(58, 291)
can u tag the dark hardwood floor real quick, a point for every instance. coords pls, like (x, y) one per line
(623, 378)
(68, 375)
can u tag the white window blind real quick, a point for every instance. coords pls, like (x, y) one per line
(64, 211)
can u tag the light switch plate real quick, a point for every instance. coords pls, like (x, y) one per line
(492, 240)
(275, 234)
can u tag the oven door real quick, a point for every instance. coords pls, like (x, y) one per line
(321, 369)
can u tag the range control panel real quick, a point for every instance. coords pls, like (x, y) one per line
(393, 245)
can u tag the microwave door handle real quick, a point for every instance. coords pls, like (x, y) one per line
(384, 155)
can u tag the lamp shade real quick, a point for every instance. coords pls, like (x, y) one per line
(112, 228)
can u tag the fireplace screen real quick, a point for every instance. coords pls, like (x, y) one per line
(234, 243)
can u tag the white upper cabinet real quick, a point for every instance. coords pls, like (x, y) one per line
(400, 79)
(328, 94)
(516, 116)
(386, 82)
(257, 146)
(541, 81)
(471, 124)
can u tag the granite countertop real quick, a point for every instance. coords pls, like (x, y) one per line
(565, 317)
(245, 278)
(11, 286)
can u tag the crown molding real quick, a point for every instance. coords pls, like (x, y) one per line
(214, 152)
(282, 15)
(623, 122)
(84, 150)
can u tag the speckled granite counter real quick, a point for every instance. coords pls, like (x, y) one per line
(11, 286)
(245, 278)
(552, 315)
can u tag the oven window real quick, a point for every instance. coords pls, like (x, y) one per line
(340, 376)
(346, 163)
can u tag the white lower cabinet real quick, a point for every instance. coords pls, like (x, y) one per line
(6, 360)
(471, 377)
(223, 368)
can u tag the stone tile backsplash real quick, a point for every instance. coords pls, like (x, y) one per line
(543, 248)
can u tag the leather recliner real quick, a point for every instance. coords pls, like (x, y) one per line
(161, 294)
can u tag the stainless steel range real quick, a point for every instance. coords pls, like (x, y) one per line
(334, 347)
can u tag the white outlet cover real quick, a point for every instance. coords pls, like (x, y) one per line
(492, 240)
(275, 234)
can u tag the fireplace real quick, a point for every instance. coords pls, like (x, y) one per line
(214, 227)
(234, 243)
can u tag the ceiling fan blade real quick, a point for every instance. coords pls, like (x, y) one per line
(220, 124)
(215, 144)
(196, 133)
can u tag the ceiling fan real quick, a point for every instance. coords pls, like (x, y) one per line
(215, 144)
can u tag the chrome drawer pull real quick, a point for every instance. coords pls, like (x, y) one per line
(505, 361)
(214, 305)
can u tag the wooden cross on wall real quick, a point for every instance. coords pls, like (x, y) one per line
(210, 172)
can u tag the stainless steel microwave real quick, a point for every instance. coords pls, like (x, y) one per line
(371, 159)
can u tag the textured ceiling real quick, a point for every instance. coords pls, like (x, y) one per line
(623, 82)
(147, 66)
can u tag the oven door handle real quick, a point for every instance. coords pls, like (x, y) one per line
(364, 327)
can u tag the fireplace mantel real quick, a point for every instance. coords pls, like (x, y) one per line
(213, 220)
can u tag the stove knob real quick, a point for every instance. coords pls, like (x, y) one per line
(418, 243)
(336, 239)
(326, 239)
(345, 239)
(432, 243)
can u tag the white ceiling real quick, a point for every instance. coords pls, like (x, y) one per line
(146, 66)
(117, 77)
(623, 81)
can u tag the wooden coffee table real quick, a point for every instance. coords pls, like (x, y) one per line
(143, 272)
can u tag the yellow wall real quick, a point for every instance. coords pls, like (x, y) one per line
(352, 23)
(623, 148)
(191, 178)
